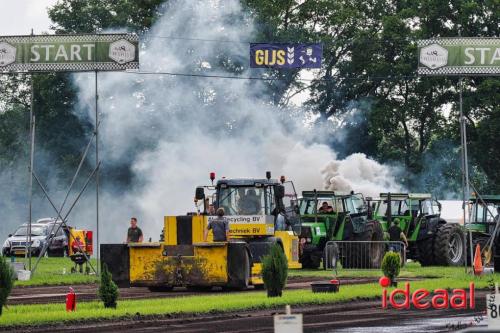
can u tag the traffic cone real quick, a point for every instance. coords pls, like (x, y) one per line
(478, 265)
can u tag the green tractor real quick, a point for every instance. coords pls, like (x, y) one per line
(328, 216)
(431, 240)
(484, 216)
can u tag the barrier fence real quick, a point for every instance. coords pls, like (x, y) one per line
(360, 254)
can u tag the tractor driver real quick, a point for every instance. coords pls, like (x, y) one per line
(325, 208)
(250, 203)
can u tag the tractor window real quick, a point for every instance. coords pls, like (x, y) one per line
(358, 203)
(493, 210)
(354, 204)
(328, 208)
(403, 208)
(478, 213)
(244, 200)
(381, 208)
(339, 206)
(427, 207)
(307, 206)
(290, 198)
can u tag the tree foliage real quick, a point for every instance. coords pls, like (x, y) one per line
(274, 271)
(367, 79)
(6, 281)
(391, 265)
(108, 291)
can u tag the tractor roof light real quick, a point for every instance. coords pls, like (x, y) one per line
(268, 175)
(212, 177)
(282, 179)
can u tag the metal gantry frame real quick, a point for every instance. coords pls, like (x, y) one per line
(33, 175)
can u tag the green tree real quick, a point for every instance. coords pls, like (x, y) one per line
(274, 271)
(6, 281)
(108, 291)
(391, 265)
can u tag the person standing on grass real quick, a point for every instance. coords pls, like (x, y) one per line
(396, 235)
(219, 227)
(134, 233)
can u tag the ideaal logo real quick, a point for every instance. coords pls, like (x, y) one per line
(7, 54)
(423, 299)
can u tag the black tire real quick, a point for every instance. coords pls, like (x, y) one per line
(366, 255)
(310, 261)
(449, 247)
(426, 252)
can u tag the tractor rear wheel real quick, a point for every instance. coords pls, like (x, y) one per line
(310, 261)
(449, 247)
(426, 251)
(367, 255)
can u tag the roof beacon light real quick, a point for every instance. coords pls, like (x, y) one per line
(268, 175)
(282, 179)
(212, 177)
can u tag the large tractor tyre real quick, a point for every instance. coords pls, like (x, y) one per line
(367, 255)
(239, 267)
(310, 261)
(426, 252)
(449, 247)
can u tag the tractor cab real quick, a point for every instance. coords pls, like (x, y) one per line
(327, 216)
(254, 207)
(432, 241)
(410, 209)
(484, 212)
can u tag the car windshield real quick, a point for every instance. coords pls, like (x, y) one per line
(35, 231)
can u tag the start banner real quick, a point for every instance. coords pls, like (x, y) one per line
(459, 56)
(278, 55)
(53, 53)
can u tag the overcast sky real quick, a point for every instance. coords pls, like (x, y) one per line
(17, 17)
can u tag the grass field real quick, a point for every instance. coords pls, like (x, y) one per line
(47, 313)
(411, 269)
(50, 272)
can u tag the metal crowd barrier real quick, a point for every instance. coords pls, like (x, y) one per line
(360, 254)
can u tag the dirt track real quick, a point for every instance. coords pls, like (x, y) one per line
(57, 294)
(357, 316)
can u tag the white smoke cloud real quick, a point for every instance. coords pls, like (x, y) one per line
(360, 174)
(175, 130)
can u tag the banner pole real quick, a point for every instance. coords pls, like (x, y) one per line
(97, 172)
(31, 163)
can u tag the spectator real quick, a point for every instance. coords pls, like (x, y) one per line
(396, 235)
(134, 233)
(219, 227)
(211, 210)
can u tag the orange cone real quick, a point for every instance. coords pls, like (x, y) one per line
(478, 265)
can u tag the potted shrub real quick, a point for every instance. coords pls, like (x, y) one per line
(6, 281)
(108, 291)
(274, 271)
(391, 265)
